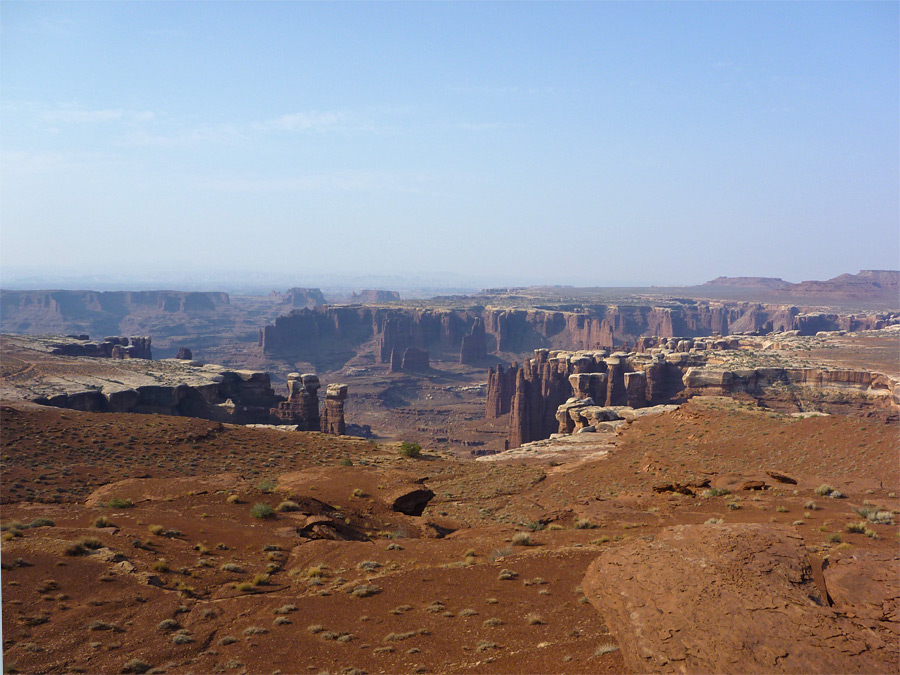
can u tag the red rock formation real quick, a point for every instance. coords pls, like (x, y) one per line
(333, 413)
(746, 602)
(302, 405)
(112, 347)
(501, 387)
(415, 359)
(473, 349)
(184, 354)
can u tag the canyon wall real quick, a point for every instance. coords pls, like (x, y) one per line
(538, 396)
(337, 333)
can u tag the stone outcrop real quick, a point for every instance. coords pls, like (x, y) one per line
(184, 354)
(113, 347)
(473, 349)
(302, 404)
(333, 413)
(303, 297)
(333, 334)
(746, 602)
(501, 386)
(415, 359)
(373, 297)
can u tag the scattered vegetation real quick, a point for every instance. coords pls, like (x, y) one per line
(288, 505)
(261, 510)
(365, 591)
(412, 450)
(521, 539)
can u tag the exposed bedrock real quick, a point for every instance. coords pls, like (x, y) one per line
(112, 347)
(547, 394)
(333, 414)
(746, 602)
(83, 304)
(336, 333)
(302, 404)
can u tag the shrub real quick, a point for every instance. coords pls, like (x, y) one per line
(91, 543)
(521, 539)
(410, 449)
(606, 648)
(345, 462)
(261, 510)
(810, 505)
(182, 639)
(714, 521)
(855, 528)
(266, 485)
(824, 490)
(116, 503)
(835, 538)
(583, 524)
(160, 566)
(282, 620)
(507, 575)
(315, 628)
(136, 666)
(368, 565)
(255, 630)
(234, 499)
(365, 591)
(714, 492)
(156, 529)
(227, 640)
(231, 567)
(102, 521)
(288, 505)
(487, 623)
(534, 619)
(41, 522)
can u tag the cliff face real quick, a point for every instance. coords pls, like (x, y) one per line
(336, 333)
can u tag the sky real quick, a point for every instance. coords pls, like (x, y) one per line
(460, 143)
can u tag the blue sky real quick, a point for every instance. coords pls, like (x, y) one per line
(586, 143)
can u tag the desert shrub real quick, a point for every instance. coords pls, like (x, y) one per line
(810, 505)
(227, 640)
(491, 601)
(855, 528)
(346, 462)
(104, 625)
(266, 485)
(41, 522)
(484, 645)
(521, 539)
(282, 620)
(534, 619)
(824, 490)
(244, 587)
(160, 566)
(261, 510)
(315, 628)
(358, 493)
(583, 524)
(116, 503)
(234, 499)
(285, 609)
(606, 648)
(874, 514)
(494, 621)
(781, 509)
(835, 538)
(714, 521)
(714, 492)
(410, 449)
(397, 637)
(102, 521)
(231, 567)
(156, 529)
(255, 630)
(91, 543)
(182, 639)
(365, 591)
(136, 666)
(507, 575)
(734, 506)
(288, 505)
(368, 565)
(74, 549)
(260, 579)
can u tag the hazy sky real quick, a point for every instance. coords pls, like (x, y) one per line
(587, 143)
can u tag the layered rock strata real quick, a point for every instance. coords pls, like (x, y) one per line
(469, 334)
(333, 414)
(302, 405)
(113, 347)
(561, 392)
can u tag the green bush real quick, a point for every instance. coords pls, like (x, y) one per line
(261, 510)
(410, 449)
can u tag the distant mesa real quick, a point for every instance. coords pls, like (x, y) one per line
(750, 282)
(867, 285)
(371, 297)
(113, 347)
(303, 297)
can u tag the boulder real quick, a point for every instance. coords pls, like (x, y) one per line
(733, 599)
